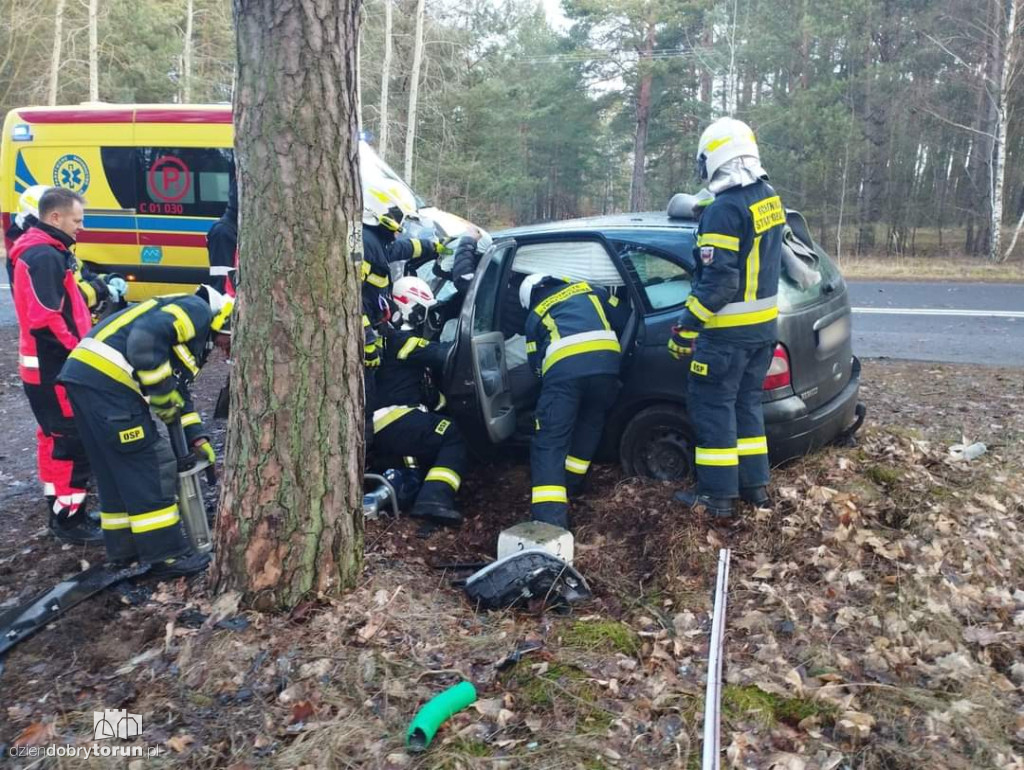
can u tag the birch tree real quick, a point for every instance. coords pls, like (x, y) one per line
(385, 80)
(58, 33)
(186, 54)
(414, 90)
(94, 51)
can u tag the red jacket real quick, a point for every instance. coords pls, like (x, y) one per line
(52, 313)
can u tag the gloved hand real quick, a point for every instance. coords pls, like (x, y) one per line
(372, 353)
(204, 450)
(442, 249)
(682, 342)
(167, 406)
(117, 287)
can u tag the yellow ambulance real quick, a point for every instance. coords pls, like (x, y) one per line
(155, 179)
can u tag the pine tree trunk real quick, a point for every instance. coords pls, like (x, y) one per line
(291, 522)
(186, 55)
(637, 187)
(414, 90)
(94, 49)
(58, 33)
(385, 80)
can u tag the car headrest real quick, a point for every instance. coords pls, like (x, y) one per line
(682, 206)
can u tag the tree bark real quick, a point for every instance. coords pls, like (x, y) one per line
(94, 49)
(385, 80)
(186, 55)
(291, 522)
(414, 90)
(1007, 32)
(637, 187)
(58, 33)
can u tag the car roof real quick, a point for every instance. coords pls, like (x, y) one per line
(641, 220)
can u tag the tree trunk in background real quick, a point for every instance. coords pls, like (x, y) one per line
(414, 90)
(291, 522)
(637, 191)
(979, 169)
(186, 55)
(58, 33)
(94, 51)
(385, 79)
(705, 72)
(1006, 31)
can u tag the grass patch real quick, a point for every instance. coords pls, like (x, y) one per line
(564, 689)
(883, 475)
(747, 701)
(931, 269)
(601, 634)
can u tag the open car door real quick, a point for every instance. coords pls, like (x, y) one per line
(476, 379)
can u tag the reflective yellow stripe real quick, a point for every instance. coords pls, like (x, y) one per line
(753, 270)
(719, 457)
(694, 306)
(417, 248)
(445, 475)
(719, 240)
(600, 311)
(153, 376)
(596, 346)
(114, 520)
(147, 522)
(531, 347)
(767, 213)
(380, 423)
(192, 418)
(686, 334)
(100, 364)
(410, 345)
(380, 281)
(551, 326)
(613, 301)
(742, 319)
(88, 292)
(364, 270)
(183, 325)
(752, 446)
(560, 296)
(714, 144)
(366, 320)
(124, 319)
(410, 461)
(576, 465)
(186, 358)
(549, 494)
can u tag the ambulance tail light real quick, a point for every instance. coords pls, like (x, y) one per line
(778, 373)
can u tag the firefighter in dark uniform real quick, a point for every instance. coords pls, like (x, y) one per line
(728, 328)
(222, 243)
(574, 349)
(408, 430)
(149, 351)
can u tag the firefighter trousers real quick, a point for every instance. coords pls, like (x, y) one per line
(136, 474)
(724, 403)
(570, 417)
(405, 435)
(63, 463)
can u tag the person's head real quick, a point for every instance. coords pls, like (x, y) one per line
(62, 209)
(722, 141)
(527, 286)
(221, 305)
(381, 209)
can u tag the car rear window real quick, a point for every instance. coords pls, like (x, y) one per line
(793, 296)
(583, 260)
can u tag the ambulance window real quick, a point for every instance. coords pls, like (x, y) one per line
(119, 168)
(186, 181)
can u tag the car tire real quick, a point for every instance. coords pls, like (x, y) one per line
(658, 444)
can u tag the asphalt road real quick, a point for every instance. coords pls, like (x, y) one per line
(979, 323)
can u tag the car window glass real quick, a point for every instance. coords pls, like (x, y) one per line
(664, 283)
(792, 295)
(183, 181)
(486, 299)
(578, 260)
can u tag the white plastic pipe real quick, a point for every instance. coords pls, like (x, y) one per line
(713, 694)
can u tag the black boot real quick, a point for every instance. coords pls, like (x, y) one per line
(756, 496)
(557, 519)
(179, 566)
(78, 529)
(717, 507)
(438, 513)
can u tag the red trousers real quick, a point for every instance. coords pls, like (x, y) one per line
(63, 464)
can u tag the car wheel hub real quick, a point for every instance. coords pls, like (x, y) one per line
(667, 456)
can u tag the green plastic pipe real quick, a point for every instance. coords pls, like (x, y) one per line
(435, 712)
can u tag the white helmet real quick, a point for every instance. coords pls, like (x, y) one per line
(409, 294)
(221, 305)
(384, 209)
(723, 140)
(28, 203)
(526, 288)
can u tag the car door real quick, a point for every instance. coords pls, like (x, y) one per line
(476, 377)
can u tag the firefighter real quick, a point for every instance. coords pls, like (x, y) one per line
(575, 351)
(408, 430)
(222, 243)
(152, 351)
(727, 330)
(50, 300)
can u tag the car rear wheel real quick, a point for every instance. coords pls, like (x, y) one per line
(658, 443)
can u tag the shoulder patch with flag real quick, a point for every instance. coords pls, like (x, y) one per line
(707, 254)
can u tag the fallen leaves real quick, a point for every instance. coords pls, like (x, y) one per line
(36, 734)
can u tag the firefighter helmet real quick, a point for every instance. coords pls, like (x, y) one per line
(28, 203)
(221, 305)
(413, 297)
(383, 209)
(527, 286)
(722, 141)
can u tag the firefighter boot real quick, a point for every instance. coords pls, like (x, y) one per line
(77, 529)
(717, 507)
(180, 566)
(436, 512)
(756, 496)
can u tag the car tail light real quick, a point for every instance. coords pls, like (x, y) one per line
(778, 372)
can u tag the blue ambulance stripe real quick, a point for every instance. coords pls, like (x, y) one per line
(21, 170)
(148, 224)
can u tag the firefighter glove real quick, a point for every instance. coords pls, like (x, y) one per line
(371, 353)
(204, 451)
(117, 287)
(682, 342)
(167, 406)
